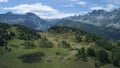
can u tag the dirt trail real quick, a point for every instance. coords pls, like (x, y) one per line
(71, 54)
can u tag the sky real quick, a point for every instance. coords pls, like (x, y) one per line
(56, 8)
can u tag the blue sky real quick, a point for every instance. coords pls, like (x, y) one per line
(57, 8)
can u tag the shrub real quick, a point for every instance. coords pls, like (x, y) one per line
(32, 57)
(65, 44)
(103, 56)
(116, 56)
(29, 45)
(46, 44)
(82, 54)
(78, 38)
(91, 52)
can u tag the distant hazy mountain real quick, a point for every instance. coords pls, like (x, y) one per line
(29, 19)
(105, 32)
(100, 18)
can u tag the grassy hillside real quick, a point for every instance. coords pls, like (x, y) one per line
(59, 47)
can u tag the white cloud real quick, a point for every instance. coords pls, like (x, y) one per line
(3, 1)
(69, 5)
(79, 2)
(97, 8)
(111, 6)
(82, 3)
(76, 2)
(41, 10)
(108, 7)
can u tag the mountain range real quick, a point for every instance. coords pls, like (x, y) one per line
(100, 22)
(100, 18)
(29, 19)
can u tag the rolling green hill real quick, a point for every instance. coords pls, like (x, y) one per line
(58, 47)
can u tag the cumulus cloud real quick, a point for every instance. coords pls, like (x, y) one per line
(108, 7)
(41, 10)
(3, 1)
